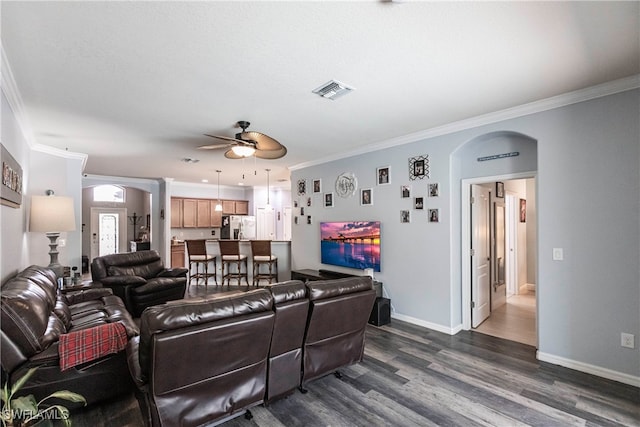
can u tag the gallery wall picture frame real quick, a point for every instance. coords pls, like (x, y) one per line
(418, 203)
(434, 189)
(419, 167)
(295, 220)
(434, 215)
(309, 221)
(317, 186)
(366, 197)
(500, 189)
(346, 185)
(405, 191)
(405, 216)
(302, 187)
(383, 175)
(328, 200)
(308, 201)
(523, 210)
(11, 185)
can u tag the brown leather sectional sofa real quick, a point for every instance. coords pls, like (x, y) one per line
(35, 315)
(203, 360)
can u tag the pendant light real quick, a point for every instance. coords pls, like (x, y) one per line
(268, 206)
(218, 207)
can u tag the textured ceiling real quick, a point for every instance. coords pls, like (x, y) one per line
(135, 85)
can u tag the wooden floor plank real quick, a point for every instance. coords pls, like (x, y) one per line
(413, 376)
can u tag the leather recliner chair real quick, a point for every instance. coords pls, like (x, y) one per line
(202, 360)
(338, 314)
(139, 278)
(291, 306)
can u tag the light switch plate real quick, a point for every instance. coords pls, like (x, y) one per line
(558, 254)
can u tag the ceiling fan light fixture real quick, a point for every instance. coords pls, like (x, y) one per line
(243, 150)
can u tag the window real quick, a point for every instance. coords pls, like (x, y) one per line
(108, 193)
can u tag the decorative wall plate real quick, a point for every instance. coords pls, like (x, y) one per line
(346, 185)
(302, 187)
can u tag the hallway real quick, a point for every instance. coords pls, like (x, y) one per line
(515, 320)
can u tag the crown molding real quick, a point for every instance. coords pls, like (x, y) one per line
(586, 94)
(11, 92)
(61, 153)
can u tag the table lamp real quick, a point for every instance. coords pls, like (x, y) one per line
(52, 215)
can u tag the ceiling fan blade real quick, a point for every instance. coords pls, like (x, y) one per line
(226, 138)
(215, 146)
(263, 142)
(271, 154)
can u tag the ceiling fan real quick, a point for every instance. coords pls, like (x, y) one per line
(248, 143)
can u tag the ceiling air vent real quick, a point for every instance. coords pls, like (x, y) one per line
(333, 89)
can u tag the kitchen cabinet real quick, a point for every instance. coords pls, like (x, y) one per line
(235, 207)
(176, 213)
(189, 213)
(177, 255)
(216, 217)
(203, 214)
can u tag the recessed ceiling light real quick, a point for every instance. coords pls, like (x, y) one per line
(241, 183)
(205, 180)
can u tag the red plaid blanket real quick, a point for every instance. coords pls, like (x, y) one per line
(90, 344)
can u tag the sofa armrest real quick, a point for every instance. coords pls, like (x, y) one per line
(112, 281)
(133, 360)
(173, 272)
(75, 297)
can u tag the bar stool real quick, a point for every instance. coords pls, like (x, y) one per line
(261, 255)
(197, 252)
(230, 254)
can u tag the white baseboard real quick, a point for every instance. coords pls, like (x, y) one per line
(429, 325)
(589, 369)
(528, 287)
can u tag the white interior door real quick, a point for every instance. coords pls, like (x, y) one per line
(266, 223)
(480, 255)
(287, 223)
(511, 237)
(108, 231)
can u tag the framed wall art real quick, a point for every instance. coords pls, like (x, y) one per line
(317, 186)
(434, 189)
(405, 216)
(383, 175)
(418, 203)
(419, 167)
(434, 215)
(523, 210)
(346, 185)
(405, 191)
(500, 189)
(328, 200)
(302, 187)
(366, 197)
(11, 188)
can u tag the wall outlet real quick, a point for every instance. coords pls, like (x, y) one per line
(62, 243)
(627, 340)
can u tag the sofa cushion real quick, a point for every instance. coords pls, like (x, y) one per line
(322, 289)
(158, 284)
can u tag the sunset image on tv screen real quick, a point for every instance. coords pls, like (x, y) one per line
(354, 244)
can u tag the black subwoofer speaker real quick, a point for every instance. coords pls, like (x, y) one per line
(381, 313)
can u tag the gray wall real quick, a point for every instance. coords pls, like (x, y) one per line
(588, 181)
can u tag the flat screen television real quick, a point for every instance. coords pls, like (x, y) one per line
(354, 244)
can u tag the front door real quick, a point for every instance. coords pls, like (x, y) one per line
(480, 255)
(108, 231)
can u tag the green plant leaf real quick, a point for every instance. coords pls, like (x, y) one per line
(18, 384)
(26, 405)
(68, 395)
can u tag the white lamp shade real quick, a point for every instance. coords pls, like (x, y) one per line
(52, 214)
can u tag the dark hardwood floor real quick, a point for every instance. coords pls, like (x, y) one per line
(412, 376)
